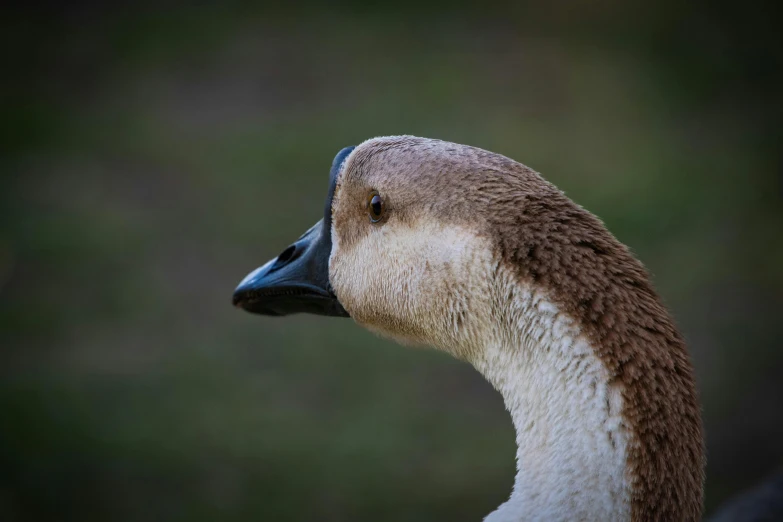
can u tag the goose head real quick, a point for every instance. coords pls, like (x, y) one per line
(470, 252)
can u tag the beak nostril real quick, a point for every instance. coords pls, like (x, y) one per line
(286, 255)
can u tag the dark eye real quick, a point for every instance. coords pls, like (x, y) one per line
(375, 207)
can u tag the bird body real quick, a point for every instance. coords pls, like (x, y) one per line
(446, 245)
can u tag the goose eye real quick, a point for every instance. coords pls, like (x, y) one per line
(375, 207)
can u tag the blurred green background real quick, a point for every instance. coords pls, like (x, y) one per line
(153, 154)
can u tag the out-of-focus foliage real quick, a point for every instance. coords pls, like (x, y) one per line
(152, 156)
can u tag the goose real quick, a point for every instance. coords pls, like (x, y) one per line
(434, 243)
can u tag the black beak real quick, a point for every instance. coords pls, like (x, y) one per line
(296, 281)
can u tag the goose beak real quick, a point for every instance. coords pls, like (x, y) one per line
(296, 281)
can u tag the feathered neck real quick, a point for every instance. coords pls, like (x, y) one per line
(570, 434)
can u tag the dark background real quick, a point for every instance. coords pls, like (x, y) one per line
(153, 154)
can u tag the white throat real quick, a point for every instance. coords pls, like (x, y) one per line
(571, 439)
